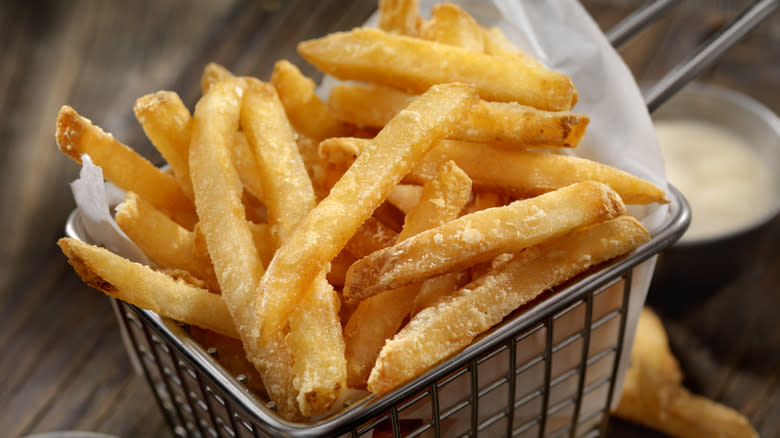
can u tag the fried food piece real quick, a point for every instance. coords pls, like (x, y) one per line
(449, 24)
(438, 332)
(415, 65)
(399, 16)
(653, 394)
(322, 234)
(217, 190)
(146, 288)
(377, 319)
(76, 135)
(480, 237)
(164, 241)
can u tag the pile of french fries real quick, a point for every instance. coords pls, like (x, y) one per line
(360, 241)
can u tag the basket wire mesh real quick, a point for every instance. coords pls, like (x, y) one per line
(532, 376)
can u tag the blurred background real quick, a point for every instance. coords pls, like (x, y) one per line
(62, 364)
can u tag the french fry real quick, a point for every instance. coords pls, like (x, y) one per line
(246, 165)
(377, 319)
(438, 332)
(480, 237)
(414, 64)
(399, 16)
(449, 24)
(144, 287)
(433, 289)
(76, 135)
(288, 193)
(314, 340)
(653, 394)
(372, 235)
(307, 113)
(213, 73)
(217, 190)
(166, 122)
(524, 173)
(164, 241)
(324, 232)
(501, 123)
(405, 196)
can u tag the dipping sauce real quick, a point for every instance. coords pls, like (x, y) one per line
(722, 177)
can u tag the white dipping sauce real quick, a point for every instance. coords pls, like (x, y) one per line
(722, 177)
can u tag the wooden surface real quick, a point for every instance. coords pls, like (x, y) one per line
(62, 364)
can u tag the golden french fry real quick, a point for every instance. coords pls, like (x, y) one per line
(502, 123)
(438, 332)
(213, 73)
(307, 113)
(377, 319)
(653, 394)
(246, 165)
(399, 16)
(372, 235)
(217, 190)
(497, 44)
(449, 24)
(164, 241)
(76, 135)
(433, 289)
(322, 234)
(523, 173)
(405, 196)
(414, 64)
(287, 189)
(480, 237)
(144, 287)
(166, 122)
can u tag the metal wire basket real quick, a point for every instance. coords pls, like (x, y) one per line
(548, 370)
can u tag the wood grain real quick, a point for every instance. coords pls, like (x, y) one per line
(63, 365)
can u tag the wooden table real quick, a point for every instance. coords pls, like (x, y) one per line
(62, 364)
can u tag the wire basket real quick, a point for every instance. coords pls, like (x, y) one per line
(547, 370)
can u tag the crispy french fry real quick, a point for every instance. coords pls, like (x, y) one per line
(377, 319)
(480, 237)
(307, 113)
(438, 332)
(405, 196)
(372, 235)
(399, 16)
(76, 135)
(165, 242)
(166, 122)
(524, 173)
(433, 289)
(246, 165)
(213, 73)
(217, 190)
(288, 193)
(502, 123)
(324, 232)
(144, 287)
(414, 64)
(497, 44)
(449, 24)
(314, 341)
(653, 394)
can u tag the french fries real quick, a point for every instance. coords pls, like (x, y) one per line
(653, 394)
(327, 228)
(346, 240)
(500, 123)
(437, 332)
(144, 287)
(76, 135)
(481, 236)
(415, 65)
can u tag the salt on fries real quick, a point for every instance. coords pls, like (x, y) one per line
(283, 222)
